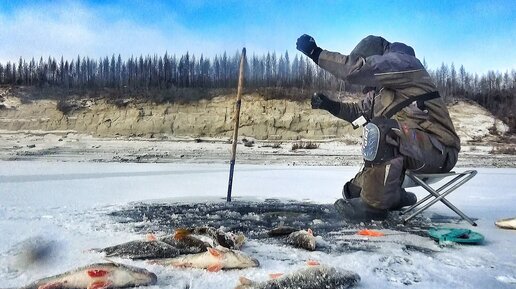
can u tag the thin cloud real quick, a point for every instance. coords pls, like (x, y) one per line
(132, 27)
(74, 29)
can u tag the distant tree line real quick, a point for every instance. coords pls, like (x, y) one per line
(167, 71)
(494, 90)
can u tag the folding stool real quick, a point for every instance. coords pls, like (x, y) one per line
(424, 180)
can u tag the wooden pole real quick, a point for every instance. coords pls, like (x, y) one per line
(237, 122)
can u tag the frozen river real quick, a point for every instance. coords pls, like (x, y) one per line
(67, 202)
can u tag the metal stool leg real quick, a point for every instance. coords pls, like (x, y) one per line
(427, 197)
(466, 176)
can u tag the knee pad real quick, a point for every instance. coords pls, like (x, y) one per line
(379, 144)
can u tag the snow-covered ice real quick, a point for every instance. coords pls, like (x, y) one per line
(67, 204)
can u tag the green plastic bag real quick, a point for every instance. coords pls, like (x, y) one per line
(461, 236)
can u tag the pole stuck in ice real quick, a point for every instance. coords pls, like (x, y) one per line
(237, 121)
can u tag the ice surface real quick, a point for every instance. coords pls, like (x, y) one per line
(73, 205)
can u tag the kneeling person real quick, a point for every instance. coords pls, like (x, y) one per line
(407, 124)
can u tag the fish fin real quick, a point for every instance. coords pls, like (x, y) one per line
(275, 275)
(214, 268)
(245, 281)
(54, 285)
(151, 237)
(312, 263)
(214, 252)
(310, 232)
(239, 240)
(157, 262)
(99, 285)
(181, 233)
(109, 260)
(371, 233)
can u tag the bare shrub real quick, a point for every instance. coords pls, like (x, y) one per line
(493, 129)
(65, 107)
(304, 145)
(120, 103)
(248, 142)
(475, 139)
(503, 150)
(275, 145)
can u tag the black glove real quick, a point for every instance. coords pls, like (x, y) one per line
(307, 45)
(321, 101)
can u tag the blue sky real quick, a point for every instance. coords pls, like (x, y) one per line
(481, 34)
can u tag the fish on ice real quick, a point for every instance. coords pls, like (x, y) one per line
(509, 223)
(282, 231)
(213, 260)
(311, 277)
(304, 239)
(141, 249)
(97, 276)
(188, 242)
(229, 240)
(180, 243)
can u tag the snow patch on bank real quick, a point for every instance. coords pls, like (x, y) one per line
(474, 123)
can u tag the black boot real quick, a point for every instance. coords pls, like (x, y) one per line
(406, 199)
(351, 191)
(356, 210)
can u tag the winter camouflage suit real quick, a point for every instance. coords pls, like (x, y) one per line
(426, 139)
